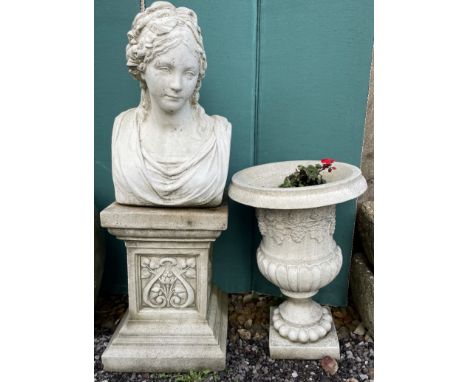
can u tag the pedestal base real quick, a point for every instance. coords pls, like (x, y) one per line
(176, 320)
(281, 348)
(157, 346)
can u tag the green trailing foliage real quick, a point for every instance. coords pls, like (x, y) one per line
(304, 176)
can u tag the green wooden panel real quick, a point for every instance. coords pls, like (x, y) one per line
(290, 76)
(314, 61)
(114, 91)
(229, 33)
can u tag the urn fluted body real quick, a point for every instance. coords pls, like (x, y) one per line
(299, 255)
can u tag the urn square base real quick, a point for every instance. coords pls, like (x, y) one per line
(159, 346)
(282, 348)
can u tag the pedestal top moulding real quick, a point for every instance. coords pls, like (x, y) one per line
(167, 151)
(297, 252)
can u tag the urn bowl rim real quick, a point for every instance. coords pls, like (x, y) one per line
(258, 186)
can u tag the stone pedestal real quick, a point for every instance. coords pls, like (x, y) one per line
(176, 321)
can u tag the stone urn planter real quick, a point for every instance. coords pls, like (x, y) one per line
(297, 252)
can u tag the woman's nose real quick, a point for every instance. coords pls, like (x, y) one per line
(176, 82)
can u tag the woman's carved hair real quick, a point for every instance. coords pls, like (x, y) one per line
(151, 36)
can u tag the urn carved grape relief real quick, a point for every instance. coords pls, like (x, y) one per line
(168, 282)
(296, 225)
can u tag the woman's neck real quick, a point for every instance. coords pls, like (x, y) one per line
(171, 122)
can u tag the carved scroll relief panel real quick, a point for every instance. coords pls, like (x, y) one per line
(167, 281)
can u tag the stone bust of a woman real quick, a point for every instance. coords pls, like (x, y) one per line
(168, 151)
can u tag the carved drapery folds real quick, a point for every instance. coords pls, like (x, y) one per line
(168, 282)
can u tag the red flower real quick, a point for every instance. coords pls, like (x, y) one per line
(327, 161)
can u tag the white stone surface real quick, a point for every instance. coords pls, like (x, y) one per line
(297, 251)
(176, 321)
(258, 186)
(281, 348)
(168, 151)
(171, 345)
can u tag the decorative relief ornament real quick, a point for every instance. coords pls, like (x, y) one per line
(168, 282)
(293, 225)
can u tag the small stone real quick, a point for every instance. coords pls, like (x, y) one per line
(247, 298)
(251, 306)
(339, 314)
(352, 380)
(363, 377)
(349, 354)
(244, 334)
(258, 336)
(343, 333)
(329, 365)
(241, 319)
(294, 374)
(368, 338)
(248, 323)
(360, 330)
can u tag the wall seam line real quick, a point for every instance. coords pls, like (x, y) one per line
(253, 259)
(257, 80)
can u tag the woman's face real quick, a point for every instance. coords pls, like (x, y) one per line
(172, 77)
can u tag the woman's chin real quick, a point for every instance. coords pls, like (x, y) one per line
(172, 108)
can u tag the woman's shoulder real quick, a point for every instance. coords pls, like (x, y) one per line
(123, 122)
(217, 121)
(125, 117)
(222, 122)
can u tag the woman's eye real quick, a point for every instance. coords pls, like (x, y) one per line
(190, 74)
(163, 68)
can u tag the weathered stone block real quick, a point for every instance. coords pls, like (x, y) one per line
(362, 290)
(365, 226)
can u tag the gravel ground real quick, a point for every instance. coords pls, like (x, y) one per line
(247, 348)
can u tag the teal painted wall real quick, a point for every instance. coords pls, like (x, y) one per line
(291, 77)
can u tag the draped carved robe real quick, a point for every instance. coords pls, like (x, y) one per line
(140, 179)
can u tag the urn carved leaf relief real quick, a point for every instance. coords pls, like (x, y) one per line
(316, 224)
(168, 282)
